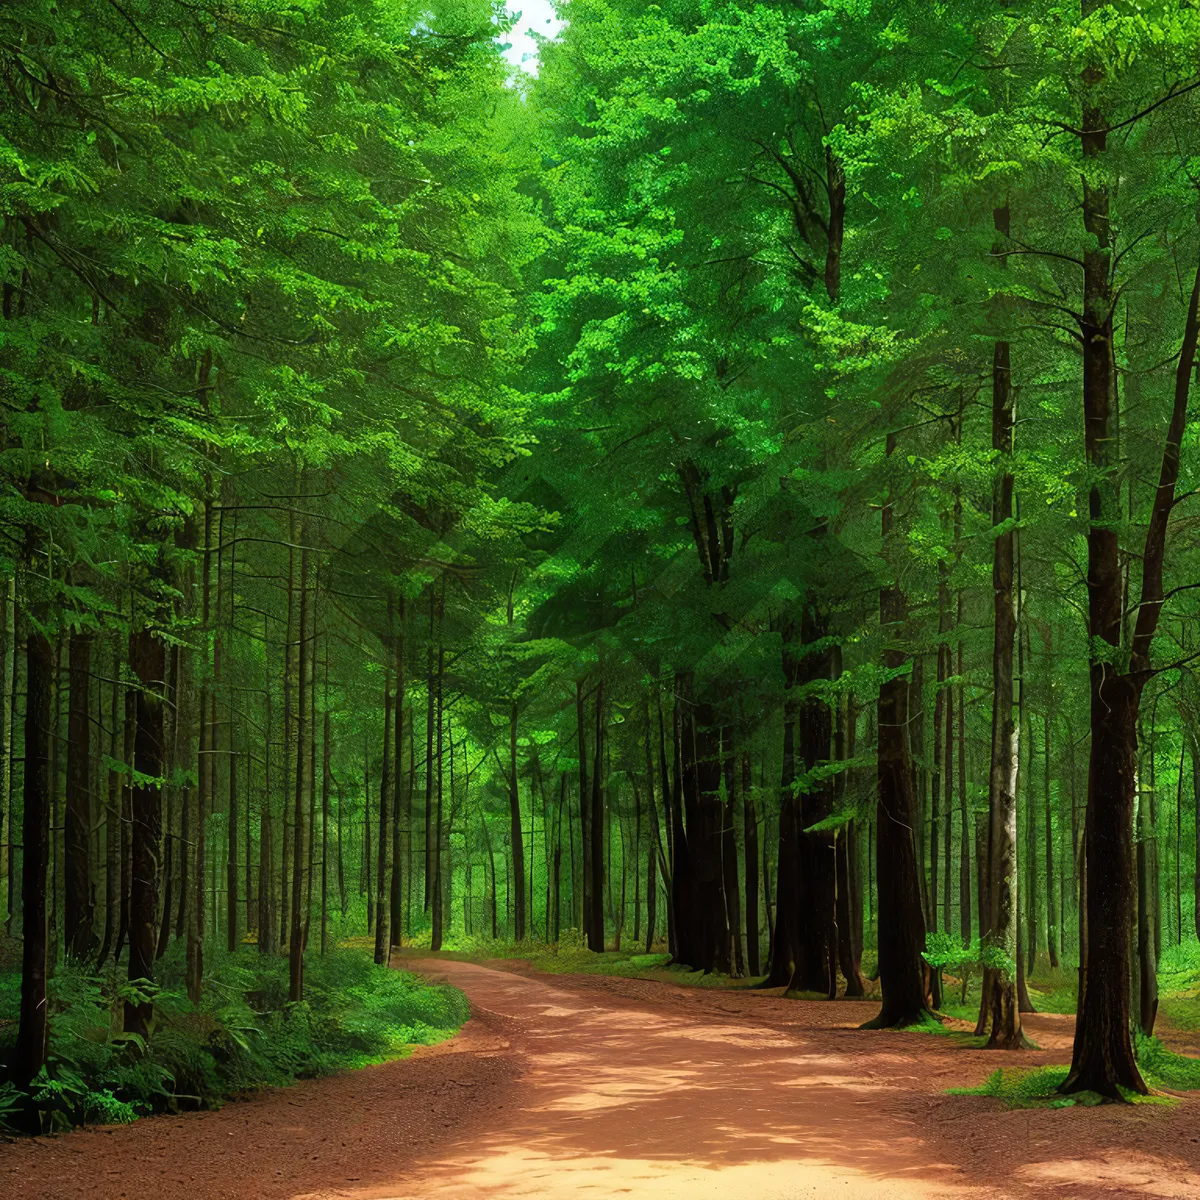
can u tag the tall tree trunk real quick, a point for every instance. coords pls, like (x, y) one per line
(750, 841)
(77, 908)
(148, 661)
(128, 732)
(596, 831)
(514, 824)
(439, 904)
(1147, 959)
(399, 825)
(326, 780)
(382, 894)
(8, 858)
(1000, 928)
(1025, 779)
(112, 821)
(1052, 931)
(901, 921)
(31, 1031)
(584, 909)
(817, 942)
(300, 831)
(785, 928)
(232, 937)
(266, 831)
(1103, 1058)
(430, 706)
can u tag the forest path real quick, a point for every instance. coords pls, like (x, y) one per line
(644, 1088)
(577, 1086)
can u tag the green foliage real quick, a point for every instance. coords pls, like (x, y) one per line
(243, 1035)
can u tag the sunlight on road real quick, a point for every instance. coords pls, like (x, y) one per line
(619, 1099)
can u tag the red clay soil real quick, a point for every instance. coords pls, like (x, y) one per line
(584, 1086)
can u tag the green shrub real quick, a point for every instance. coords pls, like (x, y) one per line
(243, 1035)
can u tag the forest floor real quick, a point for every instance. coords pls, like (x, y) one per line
(598, 1086)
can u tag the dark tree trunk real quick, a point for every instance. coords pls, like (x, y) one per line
(750, 838)
(148, 661)
(514, 826)
(1103, 1060)
(430, 711)
(595, 830)
(399, 825)
(128, 732)
(901, 921)
(785, 930)
(583, 911)
(383, 842)
(300, 831)
(31, 1030)
(326, 780)
(438, 898)
(729, 856)
(1052, 930)
(816, 916)
(1001, 1005)
(232, 933)
(77, 891)
(1196, 869)
(112, 823)
(266, 828)
(1147, 960)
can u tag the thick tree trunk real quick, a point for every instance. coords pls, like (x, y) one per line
(148, 661)
(31, 1031)
(901, 921)
(1103, 1058)
(1001, 1002)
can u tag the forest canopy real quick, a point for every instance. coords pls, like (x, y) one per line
(729, 493)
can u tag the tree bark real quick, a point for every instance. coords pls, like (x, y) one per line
(399, 826)
(750, 842)
(77, 907)
(31, 1030)
(1000, 928)
(383, 842)
(595, 830)
(901, 920)
(300, 831)
(148, 661)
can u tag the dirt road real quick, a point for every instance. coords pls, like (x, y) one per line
(590, 1087)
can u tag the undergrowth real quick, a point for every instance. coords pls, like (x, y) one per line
(243, 1035)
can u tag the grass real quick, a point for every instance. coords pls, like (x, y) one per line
(243, 1035)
